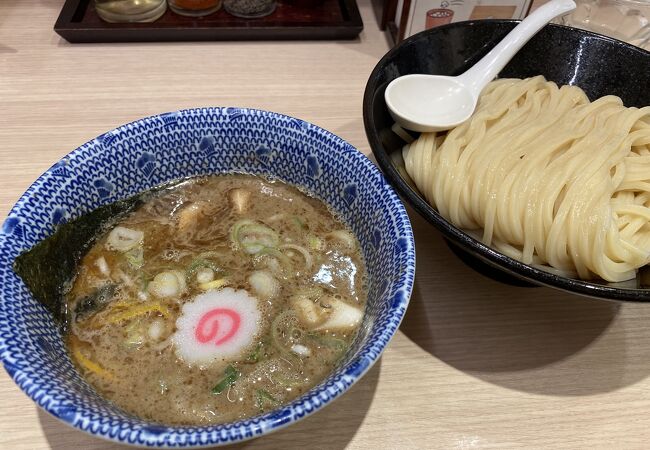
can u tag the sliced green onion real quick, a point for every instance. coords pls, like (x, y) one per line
(263, 396)
(134, 337)
(254, 356)
(276, 337)
(145, 279)
(135, 257)
(329, 341)
(316, 243)
(215, 253)
(231, 375)
(200, 263)
(283, 381)
(277, 254)
(253, 237)
(287, 265)
(234, 231)
(309, 261)
(299, 223)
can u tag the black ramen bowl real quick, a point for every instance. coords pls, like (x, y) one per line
(597, 64)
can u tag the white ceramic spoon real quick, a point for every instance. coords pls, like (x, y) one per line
(434, 102)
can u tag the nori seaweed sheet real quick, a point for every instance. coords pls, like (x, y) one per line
(50, 265)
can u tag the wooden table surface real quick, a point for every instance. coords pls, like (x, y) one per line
(476, 364)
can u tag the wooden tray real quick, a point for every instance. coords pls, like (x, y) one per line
(333, 19)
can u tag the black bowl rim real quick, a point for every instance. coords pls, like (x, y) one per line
(456, 235)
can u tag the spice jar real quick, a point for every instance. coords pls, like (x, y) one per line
(194, 8)
(250, 9)
(130, 10)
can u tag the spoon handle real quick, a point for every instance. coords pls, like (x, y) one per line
(491, 64)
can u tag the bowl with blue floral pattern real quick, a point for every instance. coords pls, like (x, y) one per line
(148, 152)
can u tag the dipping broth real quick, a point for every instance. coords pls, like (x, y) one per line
(220, 298)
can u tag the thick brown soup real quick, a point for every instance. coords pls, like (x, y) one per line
(220, 298)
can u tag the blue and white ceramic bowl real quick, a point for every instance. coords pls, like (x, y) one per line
(157, 149)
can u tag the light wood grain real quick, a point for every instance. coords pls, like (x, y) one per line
(477, 364)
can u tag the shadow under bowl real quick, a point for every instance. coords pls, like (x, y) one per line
(568, 56)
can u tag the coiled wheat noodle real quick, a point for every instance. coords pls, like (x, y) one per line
(548, 176)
